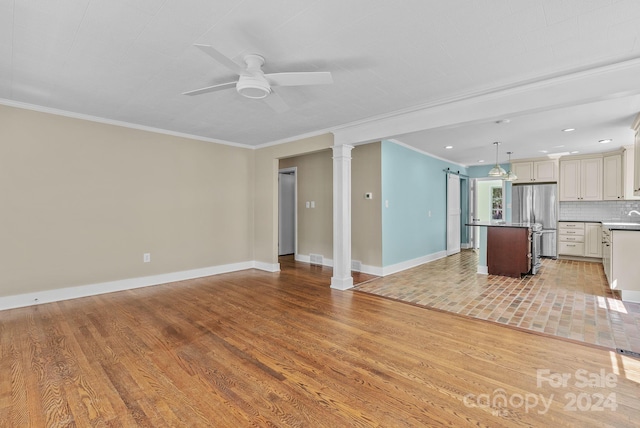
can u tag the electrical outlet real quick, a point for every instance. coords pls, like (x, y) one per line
(146, 258)
(313, 204)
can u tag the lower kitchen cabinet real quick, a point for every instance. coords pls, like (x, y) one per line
(624, 269)
(593, 240)
(580, 239)
(571, 238)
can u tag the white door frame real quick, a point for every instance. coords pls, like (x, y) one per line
(290, 170)
(453, 205)
(473, 211)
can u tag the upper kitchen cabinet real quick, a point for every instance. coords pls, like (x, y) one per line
(636, 163)
(542, 171)
(628, 163)
(613, 184)
(581, 179)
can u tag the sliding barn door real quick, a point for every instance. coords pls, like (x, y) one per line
(453, 214)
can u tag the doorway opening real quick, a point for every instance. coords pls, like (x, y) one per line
(287, 211)
(488, 196)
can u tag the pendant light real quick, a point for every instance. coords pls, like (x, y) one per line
(497, 170)
(510, 176)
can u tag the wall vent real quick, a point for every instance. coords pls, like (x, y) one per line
(315, 259)
(356, 265)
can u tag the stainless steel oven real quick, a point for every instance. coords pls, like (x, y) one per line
(536, 245)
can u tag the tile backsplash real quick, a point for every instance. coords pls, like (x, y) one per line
(598, 210)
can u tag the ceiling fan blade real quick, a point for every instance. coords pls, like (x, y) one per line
(213, 88)
(300, 79)
(276, 102)
(221, 58)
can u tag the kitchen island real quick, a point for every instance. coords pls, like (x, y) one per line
(508, 249)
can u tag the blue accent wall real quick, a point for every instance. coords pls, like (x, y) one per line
(413, 184)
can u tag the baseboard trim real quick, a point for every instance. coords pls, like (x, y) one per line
(368, 269)
(269, 267)
(483, 270)
(305, 258)
(399, 267)
(67, 293)
(372, 270)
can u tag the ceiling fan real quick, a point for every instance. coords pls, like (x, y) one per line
(254, 83)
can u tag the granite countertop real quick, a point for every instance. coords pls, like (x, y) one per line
(621, 225)
(500, 224)
(613, 224)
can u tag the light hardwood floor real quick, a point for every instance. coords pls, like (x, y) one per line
(283, 349)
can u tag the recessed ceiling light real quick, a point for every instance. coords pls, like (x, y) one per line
(574, 152)
(558, 147)
(481, 161)
(448, 147)
(544, 151)
(503, 121)
(568, 129)
(608, 140)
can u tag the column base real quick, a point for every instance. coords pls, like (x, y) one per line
(341, 283)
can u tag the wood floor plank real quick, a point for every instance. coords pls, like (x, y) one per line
(283, 349)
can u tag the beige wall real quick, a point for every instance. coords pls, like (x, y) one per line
(82, 201)
(315, 183)
(266, 191)
(366, 214)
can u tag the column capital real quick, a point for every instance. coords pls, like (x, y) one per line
(342, 150)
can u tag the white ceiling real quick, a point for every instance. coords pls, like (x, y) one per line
(130, 60)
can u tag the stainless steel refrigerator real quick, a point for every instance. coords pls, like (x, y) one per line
(537, 203)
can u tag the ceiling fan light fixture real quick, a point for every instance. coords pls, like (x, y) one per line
(254, 87)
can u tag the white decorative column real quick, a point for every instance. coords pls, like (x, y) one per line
(342, 279)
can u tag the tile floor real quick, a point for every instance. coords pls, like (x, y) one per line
(566, 298)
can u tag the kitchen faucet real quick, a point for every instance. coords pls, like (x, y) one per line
(633, 211)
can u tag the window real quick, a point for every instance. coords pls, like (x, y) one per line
(496, 203)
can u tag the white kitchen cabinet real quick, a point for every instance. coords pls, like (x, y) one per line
(580, 239)
(570, 180)
(625, 269)
(613, 186)
(591, 182)
(628, 162)
(581, 179)
(523, 170)
(636, 158)
(593, 240)
(544, 171)
(606, 253)
(571, 238)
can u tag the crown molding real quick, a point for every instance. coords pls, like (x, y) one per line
(636, 123)
(81, 116)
